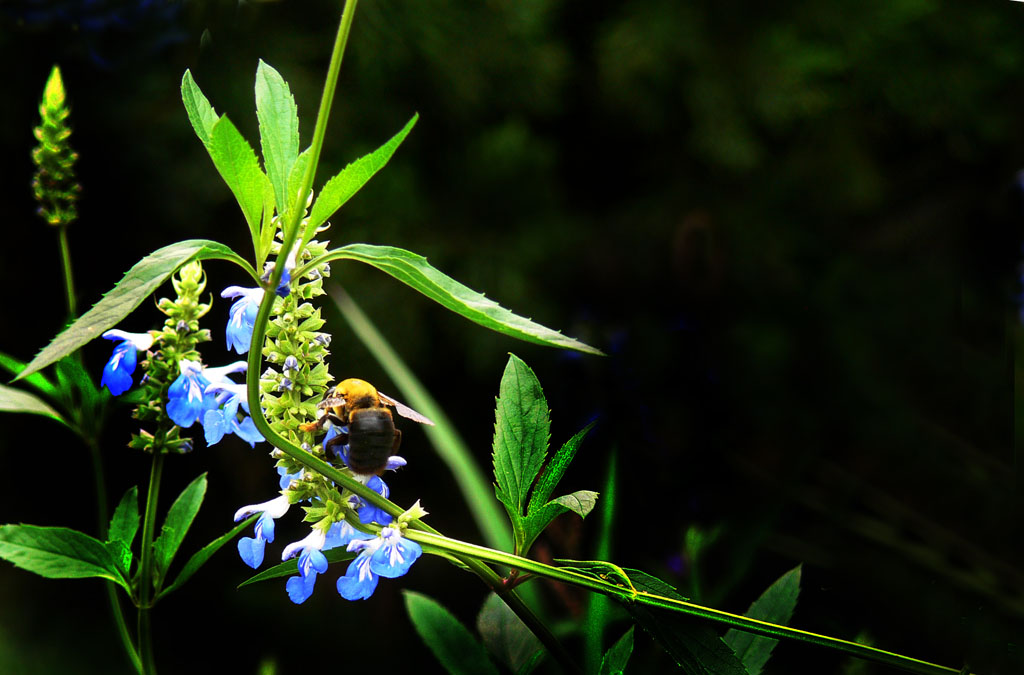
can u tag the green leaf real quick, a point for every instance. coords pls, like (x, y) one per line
(80, 395)
(200, 557)
(693, 644)
(14, 367)
(555, 469)
(413, 270)
(775, 605)
(521, 433)
(279, 130)
(298, 172)
(505, 635)
(237, 164)
(200, 113)
(140, 281)
(599, 605)
(125, 522)
(352, 178)
(451, 642)
(291, 567)
(58, 553)
(16, 400)
(616, 658)
(581, 502)
(179, 518)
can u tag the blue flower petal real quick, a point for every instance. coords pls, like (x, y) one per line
(187, 399)
(251, 551)
(247, 431)
(300, 588)
(359, 582)
(117, 374)
(395, 556)
(215, 426)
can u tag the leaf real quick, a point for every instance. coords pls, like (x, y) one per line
(200, 557)
(692, 643)
(598, 604)
(413, 270)
(179, 518)
(58, 553)
(298, 172)
(451, 642)
(521, 432)
(16, 400)
(237, 164)
(279, 130)
(125, 522)
(14, 367)
(581, 502)
(291, 567)
(200, 113)
(352, 178)
(80, 395)
(616, 658)
(775, 605)
(139, 282)
(555, 469)
(505, 635)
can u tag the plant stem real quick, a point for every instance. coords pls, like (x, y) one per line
(69, 283)
(146, 567)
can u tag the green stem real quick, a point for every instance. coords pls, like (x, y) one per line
(146, 566)
(465, 549)
(69, 283)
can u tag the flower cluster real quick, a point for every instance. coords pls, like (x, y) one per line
(54, 185)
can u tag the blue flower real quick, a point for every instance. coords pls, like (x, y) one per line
(389, 555)
(117, 374)
(243, 316)
(283, 287)
(249, 548)
(187, 397)
(311, 562)
(224, 420)
(368, 513)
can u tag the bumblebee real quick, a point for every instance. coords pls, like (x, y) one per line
(372, 436)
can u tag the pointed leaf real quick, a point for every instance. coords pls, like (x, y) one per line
(775, 605)
(298, 172)
(555, 469)
(200, 113)
(58, 553)
(291, 567)
(237, 164)
(450, 641)
(352, 178)
(413, 270)
(16, 400)
(581, 502)
(125, 521)
(692, 643)
(200, 557)
(279, 130)
(521, 432)
(505, 635)
(616, 658)
(139, 282)
(179, 518)
(37, 380)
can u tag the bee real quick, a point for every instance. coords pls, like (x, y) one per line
(372, 436)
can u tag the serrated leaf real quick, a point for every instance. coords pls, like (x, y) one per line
(414, 271)
(200, 557)
(279, 130)
(580, 502)
(451, 642)
(555, 469)
(179, 519)
(136, 285)
(521, 432)
(122, 556)
(291, 567)
(298, 172)
(352, 178)
(237, 164)
(692, 644)
(200, 113)
(776, 606)
(18, 401)
(505, 635)
(58, 553)
(37, 380)
(617, 656)
(124, 524)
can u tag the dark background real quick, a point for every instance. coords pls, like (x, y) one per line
(793, 227)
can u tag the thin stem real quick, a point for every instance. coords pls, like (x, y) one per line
(461, 548)
(146, 566)
(69, 282)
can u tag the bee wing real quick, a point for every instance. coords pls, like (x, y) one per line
(331, 402)
(404, 410)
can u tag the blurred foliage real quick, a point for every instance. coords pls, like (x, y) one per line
(793, 226)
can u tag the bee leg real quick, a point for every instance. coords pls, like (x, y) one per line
(339, 440)
(314, 426)
(398, 440)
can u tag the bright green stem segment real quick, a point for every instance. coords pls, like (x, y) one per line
(69, 283)
(146, 567)
(447, 546)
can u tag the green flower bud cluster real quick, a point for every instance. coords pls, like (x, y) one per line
(176, 342)
(54, 184)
